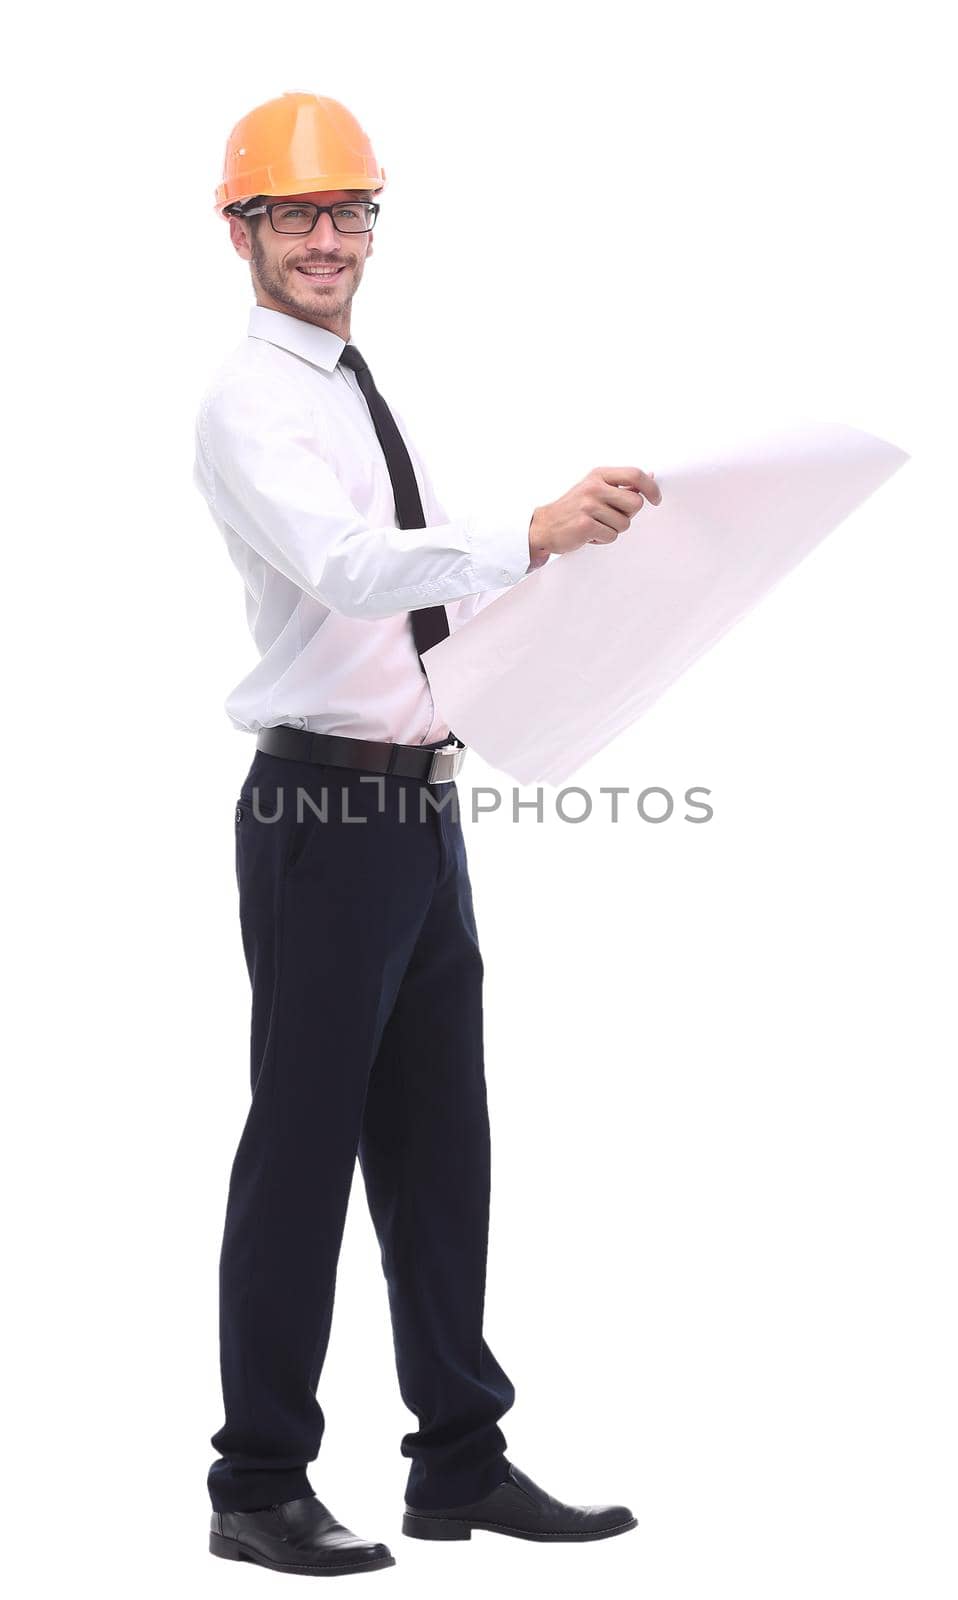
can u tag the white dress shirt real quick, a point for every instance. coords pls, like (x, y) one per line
(291, 468)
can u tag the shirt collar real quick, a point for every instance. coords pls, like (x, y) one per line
(316, 345)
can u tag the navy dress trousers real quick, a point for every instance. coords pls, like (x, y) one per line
(366, 1040)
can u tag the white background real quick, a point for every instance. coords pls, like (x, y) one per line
(720, 1058)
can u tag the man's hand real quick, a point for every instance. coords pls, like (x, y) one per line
(595, 511)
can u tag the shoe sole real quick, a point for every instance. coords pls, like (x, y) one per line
(232, 1550)
(419, 1527)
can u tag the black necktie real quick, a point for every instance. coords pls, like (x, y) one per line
(429, 623)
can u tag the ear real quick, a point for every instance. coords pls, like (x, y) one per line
(240, 233)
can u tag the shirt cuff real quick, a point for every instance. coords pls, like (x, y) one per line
(500, 547)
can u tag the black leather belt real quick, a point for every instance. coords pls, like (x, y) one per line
(438, 765)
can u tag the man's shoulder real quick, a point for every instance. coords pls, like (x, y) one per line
(251, 374)
(243, 365)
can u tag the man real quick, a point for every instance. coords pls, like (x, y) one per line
(355, 905)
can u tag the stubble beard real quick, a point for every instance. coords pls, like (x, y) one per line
(300, 302)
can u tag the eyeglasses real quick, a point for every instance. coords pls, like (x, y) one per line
(300, 216)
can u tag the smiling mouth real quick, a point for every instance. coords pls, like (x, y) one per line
(321, 274)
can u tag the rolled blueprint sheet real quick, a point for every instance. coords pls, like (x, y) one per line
(552, 670)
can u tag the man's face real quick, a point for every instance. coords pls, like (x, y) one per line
(279, 262)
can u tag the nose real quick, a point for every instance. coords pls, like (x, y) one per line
(323, 233)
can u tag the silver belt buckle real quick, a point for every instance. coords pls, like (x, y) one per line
(446, 762)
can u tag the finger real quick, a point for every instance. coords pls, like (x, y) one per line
(632, 478)
(603, 534)
(615, 509)
(627, 501)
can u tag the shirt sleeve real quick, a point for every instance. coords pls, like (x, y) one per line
(260, 463)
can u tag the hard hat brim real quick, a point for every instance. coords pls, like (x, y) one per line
(266, 183)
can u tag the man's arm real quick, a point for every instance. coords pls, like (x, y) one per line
(260, 467)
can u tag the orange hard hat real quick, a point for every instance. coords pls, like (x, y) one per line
(294, 145)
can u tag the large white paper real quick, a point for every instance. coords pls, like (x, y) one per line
(552, 670)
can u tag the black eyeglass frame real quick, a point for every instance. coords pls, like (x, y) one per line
(241, 210)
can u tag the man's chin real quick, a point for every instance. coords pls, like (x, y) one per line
(297, 296)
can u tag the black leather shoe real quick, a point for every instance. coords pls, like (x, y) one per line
(519, 1507)
(295, 1536)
